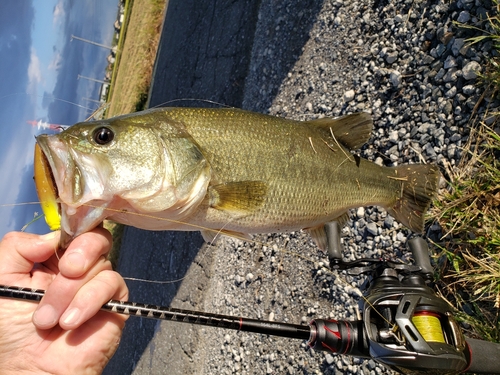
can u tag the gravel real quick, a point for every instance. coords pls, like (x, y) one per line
(410, 66)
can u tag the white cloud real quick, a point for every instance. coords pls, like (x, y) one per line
(34, 72)
(55, 64)
(58, 14)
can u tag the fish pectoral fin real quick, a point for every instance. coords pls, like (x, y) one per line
(352, 131)
(211, 235)
(237, 198)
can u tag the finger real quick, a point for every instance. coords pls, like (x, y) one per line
(19, 251)
(90, 298)
(83, 252)
(61, 292)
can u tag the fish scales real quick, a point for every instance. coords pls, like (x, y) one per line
(309, 182)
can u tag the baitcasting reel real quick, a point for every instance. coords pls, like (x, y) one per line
(405, 325)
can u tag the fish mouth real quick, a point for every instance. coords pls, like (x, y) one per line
(47, 189)
(60, 184)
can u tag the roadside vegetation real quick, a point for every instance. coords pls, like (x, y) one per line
(469, 213)
(137, 47)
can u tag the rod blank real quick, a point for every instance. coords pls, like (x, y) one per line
(295, 331)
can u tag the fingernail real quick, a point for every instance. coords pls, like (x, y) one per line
(45, 316)
(71, 316)
(77, 260)
(50, 236)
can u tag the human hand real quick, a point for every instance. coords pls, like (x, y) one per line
(65, 333)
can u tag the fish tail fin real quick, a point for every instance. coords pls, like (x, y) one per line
(419, 185)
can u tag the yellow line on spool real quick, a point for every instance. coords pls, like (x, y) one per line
(429, 326)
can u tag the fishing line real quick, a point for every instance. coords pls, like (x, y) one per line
(153, 281)
(47, 96)
(18, 204)
(37, 217)
(218, 232)
(429, 326)
(167, 281)
(193, 100)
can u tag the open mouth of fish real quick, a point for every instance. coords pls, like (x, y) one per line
(47, 190)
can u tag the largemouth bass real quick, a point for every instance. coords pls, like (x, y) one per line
(222, 171)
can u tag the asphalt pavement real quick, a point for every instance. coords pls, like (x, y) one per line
(204, 54)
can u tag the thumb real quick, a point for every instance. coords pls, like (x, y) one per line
(19, 251)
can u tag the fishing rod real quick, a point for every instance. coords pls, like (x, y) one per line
(405, 325)
(177, 315)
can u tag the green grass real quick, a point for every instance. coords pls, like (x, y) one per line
(137, 49)
(468, 212)
(121, 40)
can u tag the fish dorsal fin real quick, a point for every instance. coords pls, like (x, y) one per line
(237, 198)
(352, 131)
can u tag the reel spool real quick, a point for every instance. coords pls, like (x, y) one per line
(429, 326)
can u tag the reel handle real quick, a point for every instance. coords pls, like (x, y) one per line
(334, 247)
(420, 251)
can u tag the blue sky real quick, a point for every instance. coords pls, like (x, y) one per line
(39, 68)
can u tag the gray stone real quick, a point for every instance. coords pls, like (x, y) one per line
(391, 57)
(457, 46)
(371, 228)
(360, 212)
(464, 17)
(450, 62)
(329, 358)
(396, 78)
(451, 75)
(349, 96)
(451, 92)
(470, 70)
(469, 89)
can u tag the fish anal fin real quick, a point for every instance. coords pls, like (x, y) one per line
(318, 233)
(238, 198)
(343, 219)
(352, 131)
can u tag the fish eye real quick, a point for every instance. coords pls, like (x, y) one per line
(103, 135)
